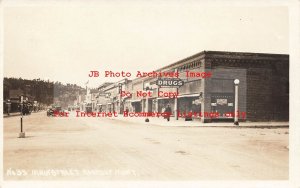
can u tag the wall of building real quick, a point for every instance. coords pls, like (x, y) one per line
(266, 84)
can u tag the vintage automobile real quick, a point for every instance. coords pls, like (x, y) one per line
(88, 107)
(51, 111)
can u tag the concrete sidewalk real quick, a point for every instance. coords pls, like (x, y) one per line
(11, 114)
(19, 114)
(160, 121)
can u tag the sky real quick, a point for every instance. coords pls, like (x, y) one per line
(64, 43)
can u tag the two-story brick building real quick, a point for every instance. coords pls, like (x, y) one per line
(263, 92)
(263, 88)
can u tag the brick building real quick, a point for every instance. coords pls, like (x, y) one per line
(109, 98)
(263, 89)
(264, 83)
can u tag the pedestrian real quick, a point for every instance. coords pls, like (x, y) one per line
(168, 112)
(163, 110)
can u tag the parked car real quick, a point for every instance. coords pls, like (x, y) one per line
(50, 112)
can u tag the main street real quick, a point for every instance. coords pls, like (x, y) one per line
(70, 148)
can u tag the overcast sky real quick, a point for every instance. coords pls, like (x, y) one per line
(64, 43)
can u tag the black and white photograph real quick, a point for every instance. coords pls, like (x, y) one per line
(131, 93)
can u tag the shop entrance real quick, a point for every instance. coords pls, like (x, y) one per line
(150, 105)
(222, 103)
(137, 106)
(188, 105)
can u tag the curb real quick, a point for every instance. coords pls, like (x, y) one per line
(11, 115)
(218, 126)
(238, 127)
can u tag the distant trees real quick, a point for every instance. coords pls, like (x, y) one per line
(41, 90)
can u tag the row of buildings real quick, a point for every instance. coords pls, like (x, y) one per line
(263, 90)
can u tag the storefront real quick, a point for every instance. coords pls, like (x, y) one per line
(189, 103)
(136, 105)
(164, 102)
(222, 103)
(263, 93)
(109, 107)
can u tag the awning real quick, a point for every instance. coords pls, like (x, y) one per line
(159, 98)
(14, 100)
(126, 97)
(189, 95)
(181, 96)
(135, 100)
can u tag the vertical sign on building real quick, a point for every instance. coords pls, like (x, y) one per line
(120, 88)
(120, 98)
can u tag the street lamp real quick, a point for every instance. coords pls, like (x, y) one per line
(8, 106)
(147, 88)
(236, 119)
(22, 134)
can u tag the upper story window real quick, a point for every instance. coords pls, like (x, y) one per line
(192, 65)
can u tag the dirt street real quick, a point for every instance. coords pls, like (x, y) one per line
(70, 148)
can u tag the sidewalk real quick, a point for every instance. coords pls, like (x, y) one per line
(197, 123)
(18, 114)
(11, 114)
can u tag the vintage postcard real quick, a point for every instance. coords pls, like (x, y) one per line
(187, 93)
